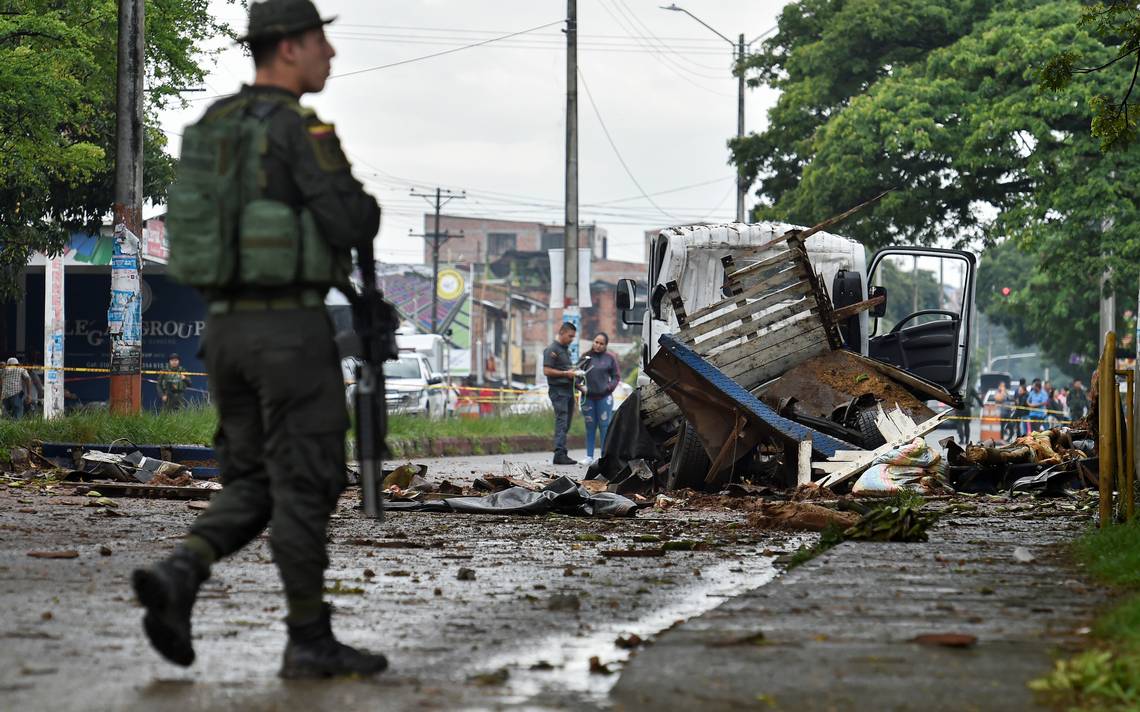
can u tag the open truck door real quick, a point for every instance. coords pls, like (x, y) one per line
(928, 319)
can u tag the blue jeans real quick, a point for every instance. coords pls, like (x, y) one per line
(596, 414)
(14, 406)
(562, 399)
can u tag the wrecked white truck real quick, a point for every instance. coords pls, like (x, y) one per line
(783, 312)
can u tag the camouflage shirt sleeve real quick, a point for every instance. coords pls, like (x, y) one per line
(345, 213)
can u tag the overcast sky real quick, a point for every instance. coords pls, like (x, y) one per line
(490, 120)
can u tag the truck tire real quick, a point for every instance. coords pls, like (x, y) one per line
(689, 464)
(872, 438)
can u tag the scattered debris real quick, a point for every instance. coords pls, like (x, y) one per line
(633, 553)
(1023, 555)
(756, 638)
(339, 589)
(562, 495)
(799, 516)
(563, 602)
(67, 554)
(488, 679)
(946, 640)
(465, 574)
(902, 522)
(914, 467)
(105, 550)
(629, 642)
(597, 667)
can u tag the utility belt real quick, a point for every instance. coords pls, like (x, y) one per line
(267, 301)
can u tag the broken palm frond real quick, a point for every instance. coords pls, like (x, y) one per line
(893, 522)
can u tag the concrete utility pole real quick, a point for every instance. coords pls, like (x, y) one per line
(441, 198)
(741, 188)
(1107, 306)
(124, 316)
(570, 312)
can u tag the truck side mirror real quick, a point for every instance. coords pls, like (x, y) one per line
(879, 310)
(626, 294)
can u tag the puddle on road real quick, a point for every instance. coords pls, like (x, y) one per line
(570, 653)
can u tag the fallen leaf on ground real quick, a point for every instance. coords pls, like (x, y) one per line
(498, 677)
(946, 640)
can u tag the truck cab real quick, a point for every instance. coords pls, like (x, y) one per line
(924, 326)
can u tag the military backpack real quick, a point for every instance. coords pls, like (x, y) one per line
(223, 233)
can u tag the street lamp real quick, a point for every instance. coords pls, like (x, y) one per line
(738, 48)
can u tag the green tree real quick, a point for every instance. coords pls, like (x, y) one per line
(942, 103)
(57, 113)
(1117, 23)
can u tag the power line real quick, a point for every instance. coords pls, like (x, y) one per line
(448, 51)
(613, 145)
(423, 57)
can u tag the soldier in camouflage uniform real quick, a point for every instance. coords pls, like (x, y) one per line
(273, 367)
(172, 385)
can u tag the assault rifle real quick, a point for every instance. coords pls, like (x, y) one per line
(375, 322)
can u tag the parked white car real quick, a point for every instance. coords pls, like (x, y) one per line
(410, 386)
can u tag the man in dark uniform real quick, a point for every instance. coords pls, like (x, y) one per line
(172, 384)
(560, 373)
(273, 367)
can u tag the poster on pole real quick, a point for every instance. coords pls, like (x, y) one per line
(53, 337)
(124, 315)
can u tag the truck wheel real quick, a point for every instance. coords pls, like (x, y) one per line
(689, 464)
(872, 438)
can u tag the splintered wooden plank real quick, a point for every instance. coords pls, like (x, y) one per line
(786, 323)
(857, 467)
(793, 273)
(830, 467)
(886, 426)
(901, 420)
(792, 292)
(768, 263)
(715, 309)
(762, 358)
(847, 456)
(754, 377)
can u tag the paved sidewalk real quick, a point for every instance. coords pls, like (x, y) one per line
(837, 630)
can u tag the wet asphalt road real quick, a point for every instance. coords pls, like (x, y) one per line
(520, 635)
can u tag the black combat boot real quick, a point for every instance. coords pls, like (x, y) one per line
(168, 590)
(313, 652)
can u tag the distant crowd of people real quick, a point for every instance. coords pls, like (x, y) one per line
(1037, 406)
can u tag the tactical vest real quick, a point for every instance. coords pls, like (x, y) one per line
(223, 234)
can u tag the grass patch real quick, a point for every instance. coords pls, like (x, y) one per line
(196, 426)
(1108, 676)
(192, 426)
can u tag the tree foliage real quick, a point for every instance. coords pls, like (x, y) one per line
(941, 101)
(1117, 23)
(58, 62)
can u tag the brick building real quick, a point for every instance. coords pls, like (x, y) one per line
(486, 240)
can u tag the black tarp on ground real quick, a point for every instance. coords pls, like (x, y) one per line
(563, 495)
(627, 439)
